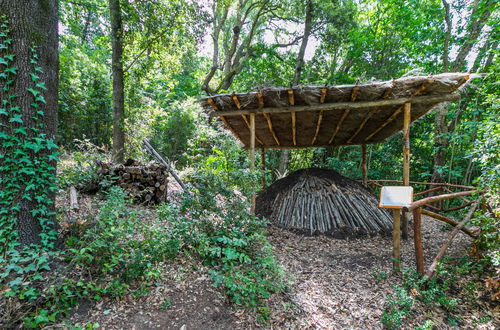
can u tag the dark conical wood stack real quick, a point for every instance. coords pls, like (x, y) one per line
(323, 201)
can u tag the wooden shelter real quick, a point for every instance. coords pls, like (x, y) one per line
(318, 116)
(314, 116)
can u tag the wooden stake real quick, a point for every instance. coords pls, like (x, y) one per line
(406, 159)
(263, 166)
(364, 165)
(396, 239)
(270, 125)
(252, 154)
(417, 238)
(294, 130)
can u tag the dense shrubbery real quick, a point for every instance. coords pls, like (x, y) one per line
(214, 224)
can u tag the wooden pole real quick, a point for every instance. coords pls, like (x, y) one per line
(396, 239)
(252, 154)
(406, 159)
(417, 238)
(263, 158)
(364, 165)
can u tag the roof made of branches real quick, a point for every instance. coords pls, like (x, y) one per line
(315, 116)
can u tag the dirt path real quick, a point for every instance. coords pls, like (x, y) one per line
(332, 288)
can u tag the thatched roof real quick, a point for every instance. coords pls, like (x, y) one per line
(313, 116)
(317, 200)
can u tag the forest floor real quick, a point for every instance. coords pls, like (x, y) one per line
(333, 285)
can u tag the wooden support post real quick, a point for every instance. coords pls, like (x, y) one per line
(396, 239)
(263, 159)
(406, 159)
(417, 238)
(364, 165)
(252, 154)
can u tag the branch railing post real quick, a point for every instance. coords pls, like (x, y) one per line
(417, 238)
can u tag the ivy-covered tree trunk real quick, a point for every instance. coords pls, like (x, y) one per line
(118, 84)
(29, 66)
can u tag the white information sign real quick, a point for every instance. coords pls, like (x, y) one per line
(396, 197)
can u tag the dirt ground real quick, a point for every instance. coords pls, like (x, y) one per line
(332, 287)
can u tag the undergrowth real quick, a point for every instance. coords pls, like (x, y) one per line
(214, 225)
(117, 255)
(445, 291)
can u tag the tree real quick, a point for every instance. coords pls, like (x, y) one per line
(235, 27)
(28, 119)
(479, 14)
(118, 82)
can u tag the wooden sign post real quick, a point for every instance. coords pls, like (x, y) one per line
(395, 198)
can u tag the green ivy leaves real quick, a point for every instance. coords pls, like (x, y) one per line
(27, 154)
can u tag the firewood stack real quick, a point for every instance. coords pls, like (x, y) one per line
(147, 183)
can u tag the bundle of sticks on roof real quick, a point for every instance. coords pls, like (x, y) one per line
(323, 201)
(147, 183)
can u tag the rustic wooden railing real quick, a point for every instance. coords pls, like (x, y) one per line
(422, 206)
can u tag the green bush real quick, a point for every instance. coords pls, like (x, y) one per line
(214, 225)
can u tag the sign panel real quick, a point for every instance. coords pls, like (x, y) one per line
(396, 197)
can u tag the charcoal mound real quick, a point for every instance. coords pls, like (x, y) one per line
(322, 201)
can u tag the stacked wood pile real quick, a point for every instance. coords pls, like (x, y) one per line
(147, 183)
(323, 201)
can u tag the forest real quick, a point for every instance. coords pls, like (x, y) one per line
(131, 198)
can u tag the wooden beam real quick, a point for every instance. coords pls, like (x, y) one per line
(270, 125)
(224, 120)
(386, 94)
(250, 129)
(260, 99)
(323, 95)
(291, 98)
(252, 155)
(320, 116)
(400, 109)
(354, 93)
(417, 240)
(406, 160)
(318, 125)
(448, 220)
(263, 167)
(212, 104)
(236, 102)
(364, 165)
(342, 105)
(433, 199)
(396, 240)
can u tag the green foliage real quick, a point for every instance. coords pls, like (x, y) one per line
(117, 255)
(214, 225)
(79, 168)
(28, 155)
(397, 308)
(173, 130)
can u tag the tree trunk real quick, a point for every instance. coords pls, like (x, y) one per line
(477, 20)
(33, 30)
(118, 85)
(285, 154)
(303, 46)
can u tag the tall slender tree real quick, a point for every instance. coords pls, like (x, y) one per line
(118, 82)
(28, 117)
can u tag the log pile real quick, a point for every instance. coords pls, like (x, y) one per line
(147, 183)
(322, 201)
